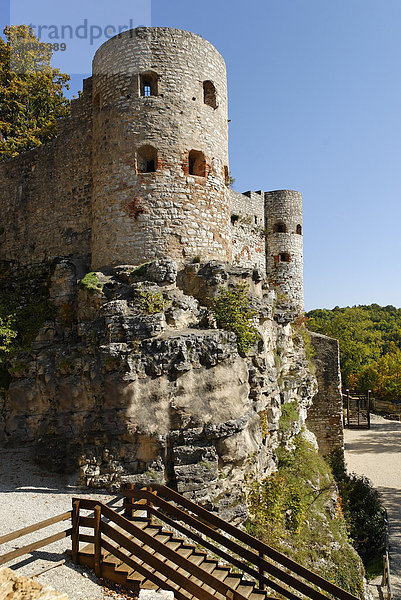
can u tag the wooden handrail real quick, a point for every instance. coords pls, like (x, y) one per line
(254, 543)
(35, 527)
(165, 551)
(240, 564)
(5, 558)
(101, 527)
(244, 553)
(168, 553)
(142, 570)
(155, 563)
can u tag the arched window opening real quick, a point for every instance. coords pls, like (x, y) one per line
(197, 163)
(280, 228)
(284, 257)
(147, 159)
(149, 84)
(209, 94)
(299, 229)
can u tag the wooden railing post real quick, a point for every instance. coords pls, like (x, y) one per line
(261, 571)
(368, 408)
(98, 541)
(347, 392)
(384, 578)
(75, 531)
(149, 505)
(129, 511)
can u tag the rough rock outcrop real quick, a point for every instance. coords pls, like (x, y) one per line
(131, 380)
(17, 587)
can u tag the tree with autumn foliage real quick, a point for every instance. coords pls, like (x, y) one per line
(370, 346)
(31, 92)
(382, 377)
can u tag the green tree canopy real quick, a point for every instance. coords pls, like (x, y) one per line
(370, 345)
(31, 92)
(383, 377)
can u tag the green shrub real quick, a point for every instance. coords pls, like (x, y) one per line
(300, 331)
(152, 302)
(24, 308)
(289, 414)
(289, 510)
(363, 511)
(7, 333)
(233, 312)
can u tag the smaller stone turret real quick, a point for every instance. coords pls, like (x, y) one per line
(284, 248)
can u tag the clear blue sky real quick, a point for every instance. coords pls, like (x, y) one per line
(315, 105)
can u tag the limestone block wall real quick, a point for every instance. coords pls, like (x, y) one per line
(285, 243)
(247, 229)
(325, 416)
(138, 215)
(45, 194)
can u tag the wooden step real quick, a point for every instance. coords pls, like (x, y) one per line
(233, 580)
(163, 537)
(173, 544)
(152, 530)
(116, 570)
(211, 590)
(209, 565)
(258, 595)
(220, 573)
(196, 558)
(185, 551)
(110, 572)
(246, 588)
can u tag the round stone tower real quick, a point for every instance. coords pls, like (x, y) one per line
(160, 149)
(283, 209)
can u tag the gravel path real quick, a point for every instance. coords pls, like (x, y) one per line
(29, 495)
(376, 453)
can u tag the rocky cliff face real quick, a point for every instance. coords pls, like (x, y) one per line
(129, 379)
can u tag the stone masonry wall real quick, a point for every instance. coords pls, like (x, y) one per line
(140, 216)
(247, 227)
(325, 416)
(285, 248)
(45, 194)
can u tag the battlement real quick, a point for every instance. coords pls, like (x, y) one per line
(140, 171)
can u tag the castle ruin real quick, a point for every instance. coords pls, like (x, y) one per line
(130, 378)
(140, 171)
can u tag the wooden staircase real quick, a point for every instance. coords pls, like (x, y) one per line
(138, 575)
(139, 551)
